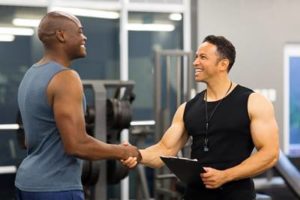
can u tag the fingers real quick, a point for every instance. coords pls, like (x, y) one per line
(211, 178)
(133, 152)
(130, 162)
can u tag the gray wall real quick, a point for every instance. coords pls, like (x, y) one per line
(259, 29)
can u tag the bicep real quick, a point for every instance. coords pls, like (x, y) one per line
(264, 129)
(67, 105)
(176, 136)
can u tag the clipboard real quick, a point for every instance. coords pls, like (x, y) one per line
(187, 170)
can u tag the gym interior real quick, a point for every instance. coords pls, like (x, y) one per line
(138, 70)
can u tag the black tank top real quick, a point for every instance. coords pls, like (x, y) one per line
(229, 142)
(229, 137)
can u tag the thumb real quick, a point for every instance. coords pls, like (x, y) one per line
(125, 143)
(206, 169)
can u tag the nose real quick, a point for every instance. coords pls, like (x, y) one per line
(196, 62)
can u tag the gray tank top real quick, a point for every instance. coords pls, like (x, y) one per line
(47, 167)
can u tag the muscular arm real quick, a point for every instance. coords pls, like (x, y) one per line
(65, 94)
(264, 132)
(169, 145)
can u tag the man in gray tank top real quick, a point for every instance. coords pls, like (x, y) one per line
(52, 103)
(226, 121)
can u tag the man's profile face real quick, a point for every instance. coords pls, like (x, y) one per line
(75, 39)
(206, 61)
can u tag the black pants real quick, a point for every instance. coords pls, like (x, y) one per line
(236, 190)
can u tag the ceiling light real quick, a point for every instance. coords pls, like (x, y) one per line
(89, 12)
(142, 123)
(175, 16)
(7, 38)
(150, 27)
(26, 22)
(9, 126)
(16, 31)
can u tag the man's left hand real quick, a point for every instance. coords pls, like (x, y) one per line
(213, 178)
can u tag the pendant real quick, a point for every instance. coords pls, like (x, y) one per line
(206, 149)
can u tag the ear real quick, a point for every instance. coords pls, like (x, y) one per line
(224, 63)
(60, 36)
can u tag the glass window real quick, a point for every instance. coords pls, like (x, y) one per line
(292, 96)
(102, 60)
(17, 53)
(142, 45)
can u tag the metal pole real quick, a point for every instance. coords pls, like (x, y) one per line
(178, 80)
(124, 77)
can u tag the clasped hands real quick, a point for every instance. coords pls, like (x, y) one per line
(131, 157)
(211, 178)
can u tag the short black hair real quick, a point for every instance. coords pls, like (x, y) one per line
(225, 48)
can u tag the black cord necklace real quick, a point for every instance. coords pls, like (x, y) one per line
(211, 115)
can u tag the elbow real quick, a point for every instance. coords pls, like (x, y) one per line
(76, 147)
(70, 150)
(274, 156)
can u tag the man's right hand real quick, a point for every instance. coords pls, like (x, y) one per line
(131, 151)
(130, 162)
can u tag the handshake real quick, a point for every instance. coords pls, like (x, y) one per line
(131, 155)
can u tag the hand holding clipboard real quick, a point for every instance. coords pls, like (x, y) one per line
(187, 170)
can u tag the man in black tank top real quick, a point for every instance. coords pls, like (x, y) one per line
(225, 121)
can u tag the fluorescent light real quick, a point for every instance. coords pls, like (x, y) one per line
(88, 12)
(175, 16)
(26, 22)
(142, 123)
(8, 169)
(16, 31)
(9, 126)
(150, 27)
(6, 38)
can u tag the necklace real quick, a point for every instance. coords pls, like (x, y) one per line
(208, 118)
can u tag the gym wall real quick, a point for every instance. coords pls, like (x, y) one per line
(259, 31)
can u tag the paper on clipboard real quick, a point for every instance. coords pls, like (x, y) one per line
(187, 170)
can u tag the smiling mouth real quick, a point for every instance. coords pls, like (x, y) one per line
(198, 71)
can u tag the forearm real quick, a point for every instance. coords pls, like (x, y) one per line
(92, 149)
(254, 165)
(151, 155)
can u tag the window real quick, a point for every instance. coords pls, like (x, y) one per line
(291, 97)
(141, 47)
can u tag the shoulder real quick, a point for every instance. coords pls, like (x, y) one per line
(259, 105)
(243, 90)
(198, 96)
(65, 82)
(67, 76)
(180, 109)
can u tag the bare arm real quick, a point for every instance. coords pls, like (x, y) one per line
(172, 141)
(65, 94)
(264, 132)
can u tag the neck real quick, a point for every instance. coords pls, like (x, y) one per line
(48, 58)
(56, 55)
(219, 90)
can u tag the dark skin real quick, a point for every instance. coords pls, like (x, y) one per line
(63, 40)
